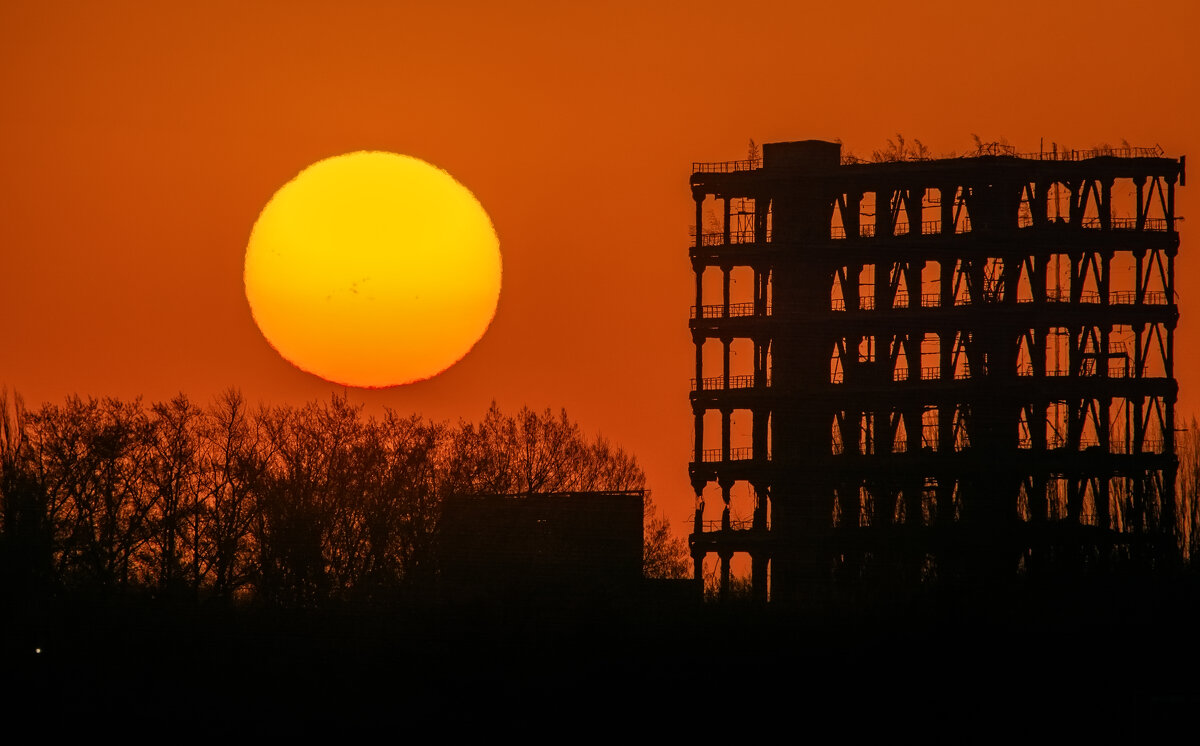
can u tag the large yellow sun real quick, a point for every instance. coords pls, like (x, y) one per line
(373, 269)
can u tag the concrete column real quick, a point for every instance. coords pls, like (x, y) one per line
(946, 283)
(1105, 209)
(1078, 193)
(850, 218)
(1078, 273)
(725, 415)
(758, 576)
(726, 342)
(1105, 283)
(1039, 208)
(1139, 255)
(915, 213)
(1140, 183)
(725, 488)
(883, 212)
(725, 272)
(697, 530)
(1170, 203)
(948, 193)
(761, 498)
(759, 296)
(759, 426)
(725, 221)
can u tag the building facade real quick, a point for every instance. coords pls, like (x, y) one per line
(955, 368)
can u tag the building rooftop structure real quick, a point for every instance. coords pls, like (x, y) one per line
(951, 368)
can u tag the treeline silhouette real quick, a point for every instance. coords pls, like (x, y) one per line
(1186, 531)
(233, 565)
(292, 506)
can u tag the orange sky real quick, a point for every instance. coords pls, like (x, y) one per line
(140, 140)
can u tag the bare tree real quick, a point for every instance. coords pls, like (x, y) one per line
(93, 458)
(663, 555)
(1187, 449)
(26, 518)
(305, 547)
(295, 506)
(232, 454)
(172, 472)
(404, 458)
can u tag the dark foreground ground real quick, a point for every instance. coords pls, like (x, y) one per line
(1115, 657)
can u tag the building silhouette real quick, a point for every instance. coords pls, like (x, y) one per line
(564, 544)
(952, 369)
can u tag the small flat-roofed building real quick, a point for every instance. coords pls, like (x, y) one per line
(557, 545)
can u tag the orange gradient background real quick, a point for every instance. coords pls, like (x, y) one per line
(139, 141)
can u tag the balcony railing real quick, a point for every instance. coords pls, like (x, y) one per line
(933, 300)
(1120, 297)
(1117, 446)
(868, 448)
(1080, 155)
(864, 231)
(736, 310)
(1115, 223)
(865, 303)
(725, 167)
(716, 455)
(735, 524)
(717, 383)
(1129, 297)
(930, 228)
(717, 238)
(1117, 368)
(1024, 441)
(1152, 445)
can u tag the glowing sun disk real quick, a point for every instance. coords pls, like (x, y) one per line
(373, 269)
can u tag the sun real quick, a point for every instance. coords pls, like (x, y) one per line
(373, 269)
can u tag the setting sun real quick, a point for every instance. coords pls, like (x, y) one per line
(373, 269)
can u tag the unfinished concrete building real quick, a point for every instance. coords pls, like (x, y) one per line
(932, 368)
